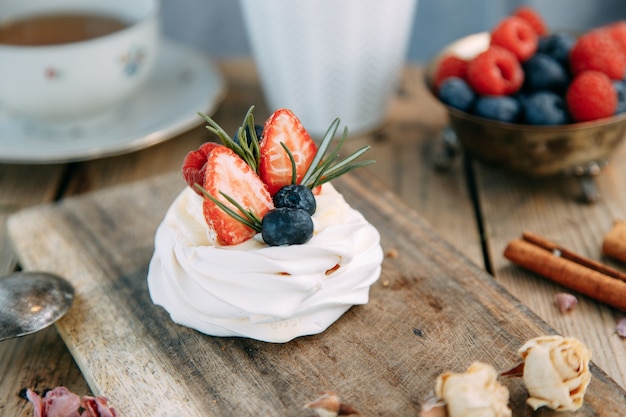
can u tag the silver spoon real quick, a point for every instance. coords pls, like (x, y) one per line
(31, 301)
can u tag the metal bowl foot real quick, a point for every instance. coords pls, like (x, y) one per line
(586, 175)
(449, 149)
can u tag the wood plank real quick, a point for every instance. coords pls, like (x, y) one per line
(22, 186)
(549, 207)
(432, 310)
(42, 356)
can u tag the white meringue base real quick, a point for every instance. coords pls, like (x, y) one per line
(272, 294)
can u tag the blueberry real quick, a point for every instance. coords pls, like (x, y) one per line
(296, 196)
(620, 89)
(286, 226)
(545, 73)
(258, 129)
(545, 108)
(455, 92)
(501, 108)
(558, 46)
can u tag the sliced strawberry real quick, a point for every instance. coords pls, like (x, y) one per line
(275, 166)
(227, 173)
(194, 165)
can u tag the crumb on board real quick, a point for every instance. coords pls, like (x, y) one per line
(392, 253)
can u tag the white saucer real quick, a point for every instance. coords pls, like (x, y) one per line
(184, 83)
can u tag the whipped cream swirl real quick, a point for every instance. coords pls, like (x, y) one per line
(268, 293)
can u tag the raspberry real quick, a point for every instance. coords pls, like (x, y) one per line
(591, 96)
(596, 50)
(617, 31)
(495, 71)
(533, 18)
(516, 35)
(450, 66)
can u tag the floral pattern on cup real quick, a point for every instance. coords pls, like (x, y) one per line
(52, 73)
(132, 60)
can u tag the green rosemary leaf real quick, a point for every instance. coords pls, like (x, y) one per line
(321, 151)
(342, 140)
(248, 141)
(294, 174)
(247, 213)
(253, 144)
(245, 219)
(337, 173)
(321, 170)
(350, 158)
(216, 129)
(248, 152)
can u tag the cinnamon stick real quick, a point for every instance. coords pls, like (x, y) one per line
(568, 273)
(568, 254)
(614, 243)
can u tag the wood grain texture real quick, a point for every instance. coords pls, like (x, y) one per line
(432, 310)
(20, 187)
(549, 207)
(41, 356)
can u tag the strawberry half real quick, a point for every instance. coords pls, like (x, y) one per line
(194, 165)
(275, 166)
(227, 173)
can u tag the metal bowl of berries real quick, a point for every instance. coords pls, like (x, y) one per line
(518, 116)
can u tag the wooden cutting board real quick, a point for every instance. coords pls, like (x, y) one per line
(431, 311)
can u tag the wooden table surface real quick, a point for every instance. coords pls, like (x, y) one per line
(475, 208)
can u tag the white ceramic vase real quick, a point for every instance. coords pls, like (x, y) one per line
(330, 58)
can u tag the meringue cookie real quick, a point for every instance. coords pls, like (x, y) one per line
(268, 293)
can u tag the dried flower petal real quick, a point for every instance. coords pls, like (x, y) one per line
(61, 402)
(96, 407)
(58, 402)
(621, 327)
(516, 371)
(474, 393)
(330, 405)
(433, 407)
(565, 302)
(556, 372)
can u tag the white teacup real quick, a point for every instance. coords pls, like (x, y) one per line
(80, 81)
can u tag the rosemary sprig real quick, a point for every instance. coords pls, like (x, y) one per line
(247, 146)
(247, 217)
(294, 174)
(325, 168)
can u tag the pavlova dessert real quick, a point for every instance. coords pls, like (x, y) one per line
(260, 244)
